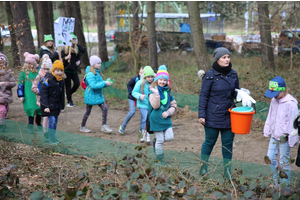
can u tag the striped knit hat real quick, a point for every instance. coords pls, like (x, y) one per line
(162, 73)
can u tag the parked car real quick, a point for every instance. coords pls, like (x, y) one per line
(110, 35)
(289, 39)
(5, 32)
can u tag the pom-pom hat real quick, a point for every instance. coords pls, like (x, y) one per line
(47, 63)
(31, 58)
(276, 85)
(162, 73)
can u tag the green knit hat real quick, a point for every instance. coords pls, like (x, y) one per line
(148, 71)
(48, 37)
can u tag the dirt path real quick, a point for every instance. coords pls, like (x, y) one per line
(188, 133)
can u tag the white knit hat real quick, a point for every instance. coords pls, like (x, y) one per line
(94, 60)
(47, 63)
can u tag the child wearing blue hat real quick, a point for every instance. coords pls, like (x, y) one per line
(279, 126)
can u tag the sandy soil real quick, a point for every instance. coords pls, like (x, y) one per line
(188, 133)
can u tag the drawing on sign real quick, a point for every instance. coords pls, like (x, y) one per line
(63, 27)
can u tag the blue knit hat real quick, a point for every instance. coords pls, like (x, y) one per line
(162, 73)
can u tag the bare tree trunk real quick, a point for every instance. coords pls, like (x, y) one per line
(44, 23)
(68, 8)
(79, 33)
(50, 18)
(36, 19)
(152, 35)
(112, 12)
(23, 29)
(136, 34)
(14, 47)
(202, 57)
(265, 35)
(101, 32)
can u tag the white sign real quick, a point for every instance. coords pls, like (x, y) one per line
(63, 27)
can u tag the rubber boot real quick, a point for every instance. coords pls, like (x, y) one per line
(161, 159)
(227, 168)
(2, 125)
(30, 128)
(286, 182)
(52, 137)
(46, 137)
(204, 161)
(39, 129)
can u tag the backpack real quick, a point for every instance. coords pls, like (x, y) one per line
(83, 82)
(39, 84)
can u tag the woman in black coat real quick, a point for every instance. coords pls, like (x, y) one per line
(216, 97)
(71, 63)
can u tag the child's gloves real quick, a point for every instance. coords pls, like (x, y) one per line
(21, 99)
(78, 63)
(294, 132)
(154, 90)
(200, 74)
(244, 95)
(142, 97)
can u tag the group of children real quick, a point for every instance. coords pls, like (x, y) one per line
(41, 90)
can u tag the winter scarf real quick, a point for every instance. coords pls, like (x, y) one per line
(164, 95)
(222, 70)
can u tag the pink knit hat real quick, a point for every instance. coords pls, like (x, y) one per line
(31, 58)
(3, 58)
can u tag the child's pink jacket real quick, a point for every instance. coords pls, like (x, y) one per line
(6, 96)
(280, 119)
(35, 88)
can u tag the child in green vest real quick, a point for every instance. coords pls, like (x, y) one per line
(162, 107)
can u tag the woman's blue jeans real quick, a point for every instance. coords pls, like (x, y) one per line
(130, 114)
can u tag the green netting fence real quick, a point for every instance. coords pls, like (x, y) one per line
(76, 144)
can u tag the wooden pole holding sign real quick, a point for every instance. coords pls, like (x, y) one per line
(59, 52)
(70, 49)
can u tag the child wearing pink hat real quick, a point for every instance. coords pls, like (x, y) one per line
(7, 82)
(28, 98)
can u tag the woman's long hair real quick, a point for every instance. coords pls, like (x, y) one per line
(52, 49)
(73, 49)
